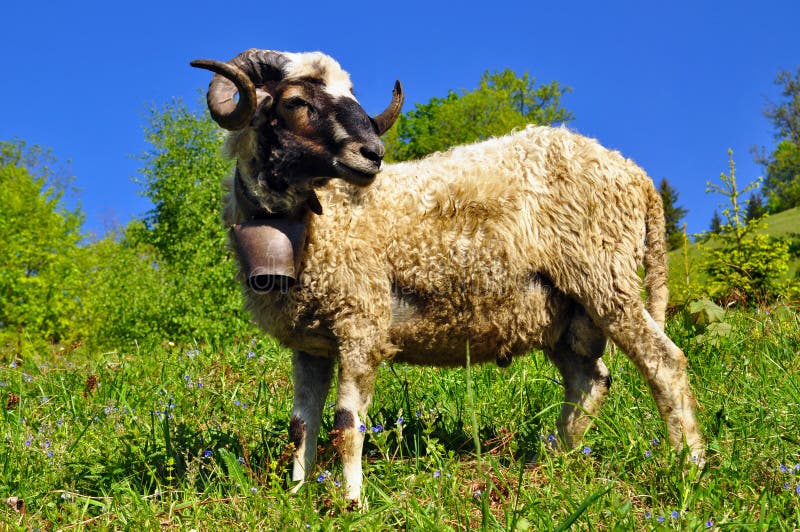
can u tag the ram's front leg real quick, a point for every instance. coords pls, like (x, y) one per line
(312, 379)
(356, 383)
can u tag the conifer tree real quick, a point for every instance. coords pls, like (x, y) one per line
(673, 214)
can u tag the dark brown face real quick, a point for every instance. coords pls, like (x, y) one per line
(300, 111)
(305, 132)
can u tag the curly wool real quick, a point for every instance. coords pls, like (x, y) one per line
(470, 244)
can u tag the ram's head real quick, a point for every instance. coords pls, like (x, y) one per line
(295, 120)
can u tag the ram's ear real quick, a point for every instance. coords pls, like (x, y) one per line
(263, 99)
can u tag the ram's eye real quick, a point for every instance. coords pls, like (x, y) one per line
(296, 103)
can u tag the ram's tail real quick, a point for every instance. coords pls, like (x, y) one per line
(655, 258)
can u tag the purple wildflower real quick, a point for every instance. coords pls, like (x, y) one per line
(208, 454)
(436, 473)
(675, 514)
(587, 450)
(377, 429)
(362, 428)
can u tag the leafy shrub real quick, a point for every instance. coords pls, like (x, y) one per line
(745, 265)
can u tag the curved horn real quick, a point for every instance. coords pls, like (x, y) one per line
(241, 74)
(229, 80)
(387, 118)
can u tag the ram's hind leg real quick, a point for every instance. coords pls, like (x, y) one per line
(585, 377)
(663, 365)
(312, 378)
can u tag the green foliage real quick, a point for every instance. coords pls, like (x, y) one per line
(715, 225)
(673, 214)
(747, 265)
(502, 102)
(782, 185)
(182, 173)
(126, 295)
(39, 280)
(706, 320)
(755, 207)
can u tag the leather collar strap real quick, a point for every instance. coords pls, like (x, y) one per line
(254, 211)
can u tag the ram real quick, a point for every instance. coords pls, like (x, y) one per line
(527, 241)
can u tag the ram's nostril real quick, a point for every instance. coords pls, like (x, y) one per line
(373, 153)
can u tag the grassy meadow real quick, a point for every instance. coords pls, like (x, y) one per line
(195, 437)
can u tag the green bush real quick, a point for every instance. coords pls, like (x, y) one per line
(39, 279)
(744, 265)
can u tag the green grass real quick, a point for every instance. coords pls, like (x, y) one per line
(196, 438)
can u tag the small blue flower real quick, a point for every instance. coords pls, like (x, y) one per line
(436, 473)
(254, 490)
(709, 523)
(675, 514)
(321, 477)
(237, 402)
(418, 413)
(477, 494)
(786, 486)
(647, 454)
(362, 428)
(208, 454)
(783, 468)
(400, 420)
(251, 354)
(648, 515)
(655, 441)
(587, 450)
(660, 519)
(377, 429)
(241, 460)
(337, 483)
(551, 437)
(797, 489)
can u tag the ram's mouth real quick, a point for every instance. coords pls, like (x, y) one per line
(357, 176)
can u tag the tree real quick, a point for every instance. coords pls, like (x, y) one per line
(755, 207)
(785, 116)
(716, 223)
(39, 279)
(782, 184)
(782, 166)
(501, 102)
(673, 214)
(747, 265)
(182, 173)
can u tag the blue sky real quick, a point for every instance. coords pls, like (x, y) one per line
(671, 85)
